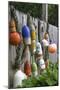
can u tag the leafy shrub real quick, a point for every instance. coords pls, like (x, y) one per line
(47, 78)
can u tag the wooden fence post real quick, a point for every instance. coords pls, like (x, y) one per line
(45, 19)
(39, 39)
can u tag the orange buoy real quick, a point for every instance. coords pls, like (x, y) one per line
(27, 68)
(52, 48)
(14, 38)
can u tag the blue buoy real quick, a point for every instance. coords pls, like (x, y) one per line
(25, 31)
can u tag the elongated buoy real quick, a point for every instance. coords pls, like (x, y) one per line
(26, 35)
(34, 69)
(38, 50)
(26, 57)
(33, 46)
(33, 32)
(27, 68)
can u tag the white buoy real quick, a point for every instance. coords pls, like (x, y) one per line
(38, 48)
(41, 63)
(18, 77)
(27, 41)
(45, 42)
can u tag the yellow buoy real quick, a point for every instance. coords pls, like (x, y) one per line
(33, 32)
(33, 46)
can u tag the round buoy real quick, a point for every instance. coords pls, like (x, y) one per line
(52, 48)
(14, 38)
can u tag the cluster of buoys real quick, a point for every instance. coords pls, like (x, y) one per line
(52, 47)
(28, 36)
(39, 57)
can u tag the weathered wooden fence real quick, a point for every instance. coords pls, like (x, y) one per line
(53, 32)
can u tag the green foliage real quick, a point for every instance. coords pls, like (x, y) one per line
(48, 78)
(35, 10)
(53, 14)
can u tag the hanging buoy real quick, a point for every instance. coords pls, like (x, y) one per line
(27, 65)
(18, 77)
(33, 46)
(12, 29)
(34, 69)
(27, 68)
(12, 23)
(26, 35)
(38, 50)
(33, 32)
(46, 36)
(25, 31)
(14, 38)
(45, 42)
(41, 64)
(52, 48)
